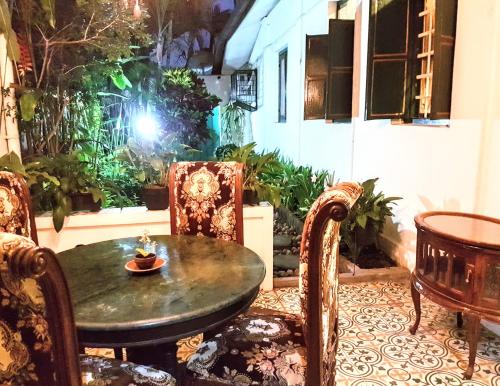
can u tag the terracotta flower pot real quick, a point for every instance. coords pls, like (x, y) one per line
(145, 262)
(155, 197)
(250, 197)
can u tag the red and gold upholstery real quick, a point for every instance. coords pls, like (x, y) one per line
(16, 215)
(318, 280)
(277, 350)
(38, 344)
(26, 345)
(206, 199)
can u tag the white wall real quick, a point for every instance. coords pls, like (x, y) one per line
(431, 167)
(9, 134)
(306, 142)
(219, 85)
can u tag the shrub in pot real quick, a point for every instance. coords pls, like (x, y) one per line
(256, 189)
(299, 186)
(152, 162)
(72, 187)
(365, 221)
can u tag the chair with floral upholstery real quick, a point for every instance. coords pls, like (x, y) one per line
(16, 214)
(206, 199)
(38, 343)
(275, 349)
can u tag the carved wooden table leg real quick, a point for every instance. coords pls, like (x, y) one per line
(473, 328)
(162, 357)
(415, 295)
(118, 353)
(460, 320)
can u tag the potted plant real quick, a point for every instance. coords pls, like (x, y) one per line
(365, 221)
(152, 162)
(256, 189)
(233, 124)
(72, 188)
(144, 259)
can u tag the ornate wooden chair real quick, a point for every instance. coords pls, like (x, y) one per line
(16, 214)
(206, 199)
(38, 344)
(280, 350)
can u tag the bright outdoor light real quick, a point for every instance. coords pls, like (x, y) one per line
(147, 126)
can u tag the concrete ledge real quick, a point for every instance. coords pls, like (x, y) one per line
(375, 274)
(362, 275)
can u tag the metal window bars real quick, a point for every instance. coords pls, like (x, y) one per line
(426, 57)
(244, 89)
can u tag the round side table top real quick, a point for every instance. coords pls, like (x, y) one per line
(202, 275)
(466, 228)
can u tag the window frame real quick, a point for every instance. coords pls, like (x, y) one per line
(282, 84)
(396, 99)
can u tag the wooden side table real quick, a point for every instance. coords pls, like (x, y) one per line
(458, 267)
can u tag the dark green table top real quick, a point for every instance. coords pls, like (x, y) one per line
(202, 275)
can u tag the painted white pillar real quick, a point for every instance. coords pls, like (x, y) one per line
(488, 186)
(9, 133)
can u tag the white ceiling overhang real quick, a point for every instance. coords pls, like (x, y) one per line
(239, 47)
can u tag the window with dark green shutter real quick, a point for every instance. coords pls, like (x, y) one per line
(329, 70)
(316, 76)
(410, 59)
(340, 71)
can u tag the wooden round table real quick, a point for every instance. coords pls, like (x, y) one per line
(204, 283)
(458, 267)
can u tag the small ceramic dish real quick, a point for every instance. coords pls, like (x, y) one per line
(132, 266)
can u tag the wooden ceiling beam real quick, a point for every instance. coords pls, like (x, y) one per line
(241, 10)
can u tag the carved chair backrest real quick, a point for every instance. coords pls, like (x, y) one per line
(206, 198)
(38, 343)
(318, 284)
(16, 214)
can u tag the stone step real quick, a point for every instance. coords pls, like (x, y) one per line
(282, 241)
(286, 261)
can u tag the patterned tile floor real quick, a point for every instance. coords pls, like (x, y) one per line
(375, 347)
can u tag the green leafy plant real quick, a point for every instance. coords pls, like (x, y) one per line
(225, 151)
(12, 163)
(53, 65)
(186, 105)
(73, 176)
(256, 166)
(151, 159)
(365, 221)
(300, 186)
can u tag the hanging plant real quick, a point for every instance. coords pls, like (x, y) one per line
(233, 123)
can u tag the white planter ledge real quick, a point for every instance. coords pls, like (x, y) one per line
(113, 223)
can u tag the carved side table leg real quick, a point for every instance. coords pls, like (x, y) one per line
(460, 320)
(473, 328)
(415, 295)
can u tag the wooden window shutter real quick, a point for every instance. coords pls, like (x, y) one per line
(316, 76)
(388, 65)
(340, 72)
(444, 48)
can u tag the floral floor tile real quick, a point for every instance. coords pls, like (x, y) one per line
(375, 347)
